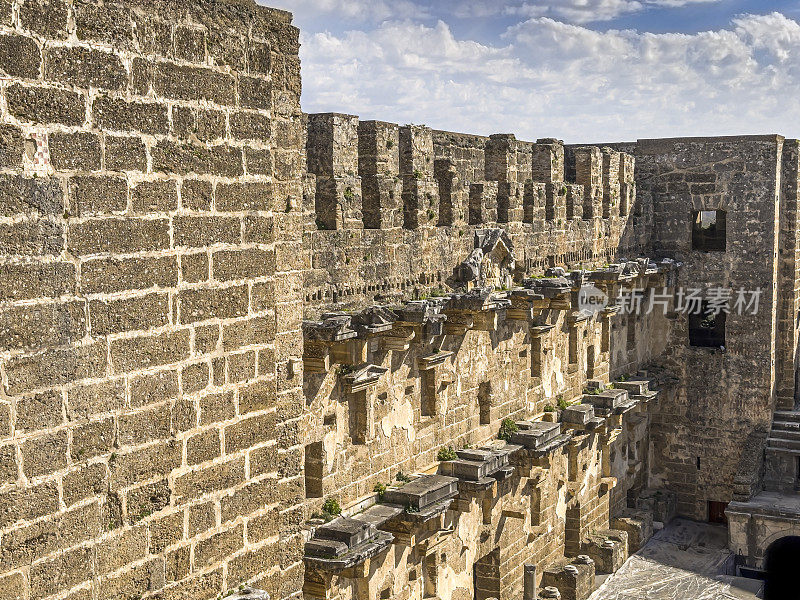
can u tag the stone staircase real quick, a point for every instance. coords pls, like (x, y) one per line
(785, 433)
(782, 454)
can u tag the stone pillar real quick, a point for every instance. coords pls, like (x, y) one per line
(589, 174)
(379, 168)
(332, 155)
(611, 183)
(529, 583)
(420, 189)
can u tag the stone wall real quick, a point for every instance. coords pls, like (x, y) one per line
(389, 207)
(391, 211)
(151, 305)
(705, 431)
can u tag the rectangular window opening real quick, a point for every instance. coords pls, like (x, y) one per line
(709, 230)
(707, 330)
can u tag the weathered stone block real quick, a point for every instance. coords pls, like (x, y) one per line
(84, 482)
(47, 18)
(92, 439)
(190, 44)
(249, 432)
(88, 400)
(39, 326)
(55, 367)
(19, 57)
(109, 275)
(125, 153)
(202, 304)
(243, 264)
(204, 125)
(638, 524)
(195, 267)
(131, 354)
(197, 232)
(579, 414)
(44, 454)
(209, 479)
(46, 105)
(97, 195)
(129, 468)
(75, 151)
(37, 280)
(11, 146)
(39, 411)
(30, 238)
(118, 235)
(116, 114)
(85, 68)
(154, 196)
(144, 426)
(185, 158)
(237, 197)
(255, 92)
(30, 195)
(193, 83)
(217, 407)
(110, 23)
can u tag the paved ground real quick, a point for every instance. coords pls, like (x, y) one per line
(681, 562)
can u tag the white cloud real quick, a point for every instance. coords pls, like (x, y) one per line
(549, 78)
(574, 11)
(351, 12)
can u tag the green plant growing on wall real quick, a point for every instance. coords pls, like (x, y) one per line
(389, 144)
(591, 391)
(507, 429)
(380, 488)
(446, 454)
(349, 194)
(562, 403)
(402, 477)
(417, 174)
(331, 507)
(549, 408)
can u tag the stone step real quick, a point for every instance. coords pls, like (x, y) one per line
(787, 415)
(778, 450)
(790, 444)
(786, 425)
(789, 431)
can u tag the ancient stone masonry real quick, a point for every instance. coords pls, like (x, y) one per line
(150, 321)
(340, 359)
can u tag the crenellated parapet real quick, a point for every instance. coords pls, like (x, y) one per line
(361, 167)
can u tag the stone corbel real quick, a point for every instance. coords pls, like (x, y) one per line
(400, 337)
(459, 323)
(316, 357)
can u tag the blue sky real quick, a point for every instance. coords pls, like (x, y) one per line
(579, 70)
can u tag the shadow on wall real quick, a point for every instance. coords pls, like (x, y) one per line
(782, 562)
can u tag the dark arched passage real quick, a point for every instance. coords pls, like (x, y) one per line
(782, 566)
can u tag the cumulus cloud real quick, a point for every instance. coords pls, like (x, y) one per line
(576, 11)
(549, 78)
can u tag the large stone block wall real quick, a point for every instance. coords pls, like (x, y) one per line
(150, 301)
(390, 212)
(389, 207)
(708, 434)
